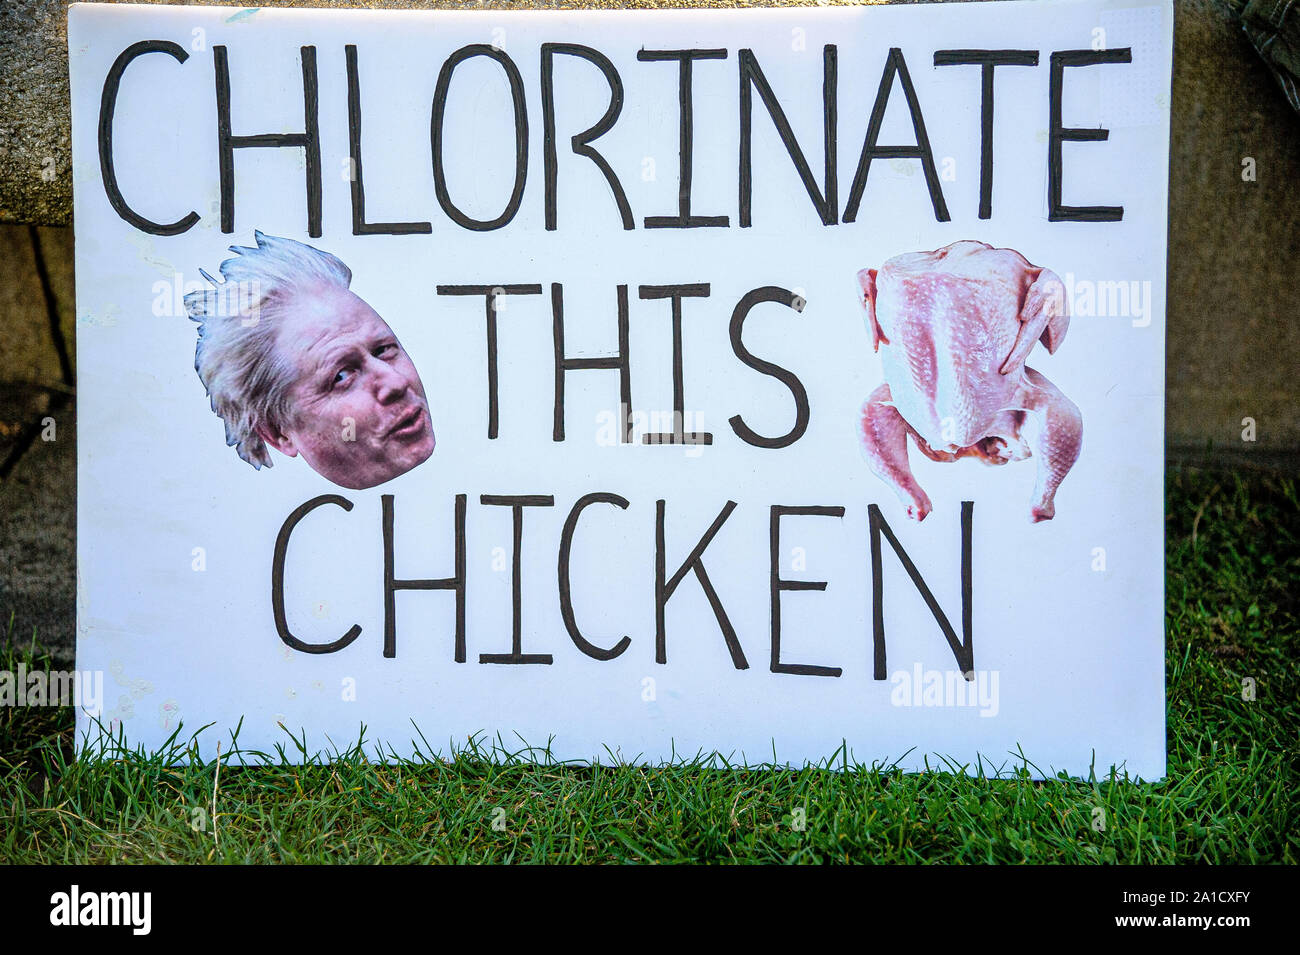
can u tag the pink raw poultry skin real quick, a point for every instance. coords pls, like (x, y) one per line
(953, 329)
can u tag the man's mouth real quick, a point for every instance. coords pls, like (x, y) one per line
(409, 425)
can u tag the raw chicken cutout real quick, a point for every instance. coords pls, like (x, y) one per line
(953, 328)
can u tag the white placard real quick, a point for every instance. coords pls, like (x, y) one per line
(636, 384)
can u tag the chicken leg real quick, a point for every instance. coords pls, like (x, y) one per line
(882, 435)
(1058, 441)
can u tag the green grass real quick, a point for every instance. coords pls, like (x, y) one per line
(1231, 793)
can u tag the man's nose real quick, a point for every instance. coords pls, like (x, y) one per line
(390, 385)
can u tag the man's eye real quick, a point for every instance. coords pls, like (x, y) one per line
(343, 376)
(386, 350)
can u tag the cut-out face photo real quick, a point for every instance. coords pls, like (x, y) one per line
(293, 360)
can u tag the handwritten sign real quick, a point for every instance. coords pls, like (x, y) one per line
(768, 383)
